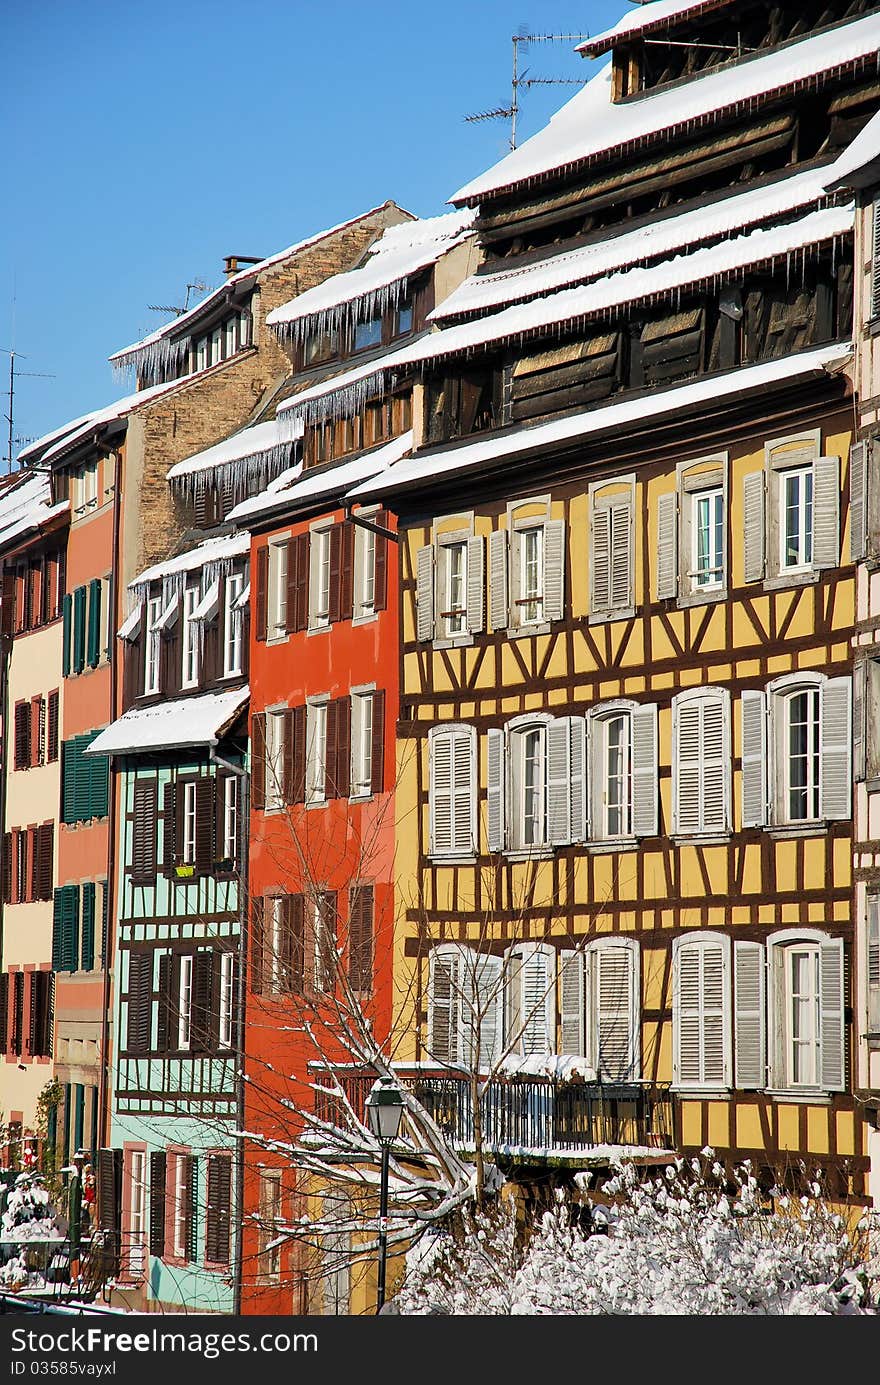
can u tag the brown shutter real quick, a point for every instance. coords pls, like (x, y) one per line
(296, 731)
(258, 760)
(346, 600)
(335, 612)
(110, 1203)
(219, 1209)
(377, 756)
(258, 944)
(38, 730)
(298, 948)
(7, 604)
(301, 545)
(327, 939)
(192, 1207)
(163, 1033)
(380, 585)
(7, 867)
(45, 852)
(170, 828)
(262, 603)
(297, 577)
(145, 832)
(140, 1001)
(33, 863)
(157, 1202)
(330, 753)
(342, 772)
(22, 734)
(202, 1001)
(132, 671)
(4, 1012)
(205, 824)
(360, 937)
(52, 727)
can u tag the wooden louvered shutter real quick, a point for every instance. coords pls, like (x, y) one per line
(331, 748)
(67, 636)
(335, 593)
(499, 600)
(158, 1168)
(144, 831)
(753, 526)
(360, 938)
(140, 988)
(873, 965)
(425, 593)
(875, 261)
(206, 824)
(258, 945)
(444, 994)
(22, 735)
(749, 1024)
(262, 593)
(643, 726)
(831, 1001)
(87, 927)
(52, 727)
(79, 629)
(495, 823)
(346, 572)
(167, 1007)
(836, 741)
(192, 1207)
(58, 929)
(535, 972)
(39, 1044)
(554, 569)
(170, 828)
(297, 949)
(381, 550)
(700, 764)
(621, 556)
(295, 733)
(859, 724)
(826, 512)
(93, 646)
(110, 1200)
(377, 748)
(70, 928)
(572, 1003)
(600, 562)
(4, 1012)
(203, 1001)
(667, 546)
(615, 1014)
(858, 501)
(754, 757)
(218, 1210)
(700, 1014)
(44, 854)
(258, 761)
(299, 551)
(452, 792)
(476, 584)
(558, 782)
(7, 867)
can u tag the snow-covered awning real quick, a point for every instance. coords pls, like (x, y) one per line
(270, 445)
(645, 20)
(457, 460)
(859, 164)
(379, 282)
(169, 614)
(199, 720)
(718, 220)
(327, 481)
(241, 602)
(209, 605)
(130, 627)
(211, 551)
(590, 127)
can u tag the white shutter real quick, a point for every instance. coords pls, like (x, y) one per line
(831, 1016)
(577, 763)
(836, 771)
(686, 1046)
(572, 1004)
(499, 605)
(715, 743)
(748, 998)
(463, 793)
(687, 752)
(558, 782)
(754, 758)
(859, 712)
(621, 556)
(495, 790)
(424, 593)
(476, 604)
(616, 1021)
(481, 1008)
(537, 1016)
(858, 500)
(826, 512)
(452, 791)
(600, 561)
(554, 569)
(444, 990)
(875, 263)
(701, 1004)
(441, 745)
(643, 724)
(873, 964)
(753, 526)
(667, 545)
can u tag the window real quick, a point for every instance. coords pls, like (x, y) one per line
(269, 1249)
(181, 1206)
(319, 579)
(190, 670)
(137, 1212)
(707, 508)
(537, 567)
(528, 749)
(531, 575)
(612, 776)
(458, 594)
(364, 571)
(184, 1002)
(454, 578)
(701, 1011)
(691, 533)
(316, 752)
(227, 1000)
(85, 636)
(599, 1011)
(320, 346)
(535, 783)
(611, 548)
(361, 744)
(152, 645)
(797, 751)
(229, 335)
(216, 346)
(367, 334)
(278, 563)
(465, 1006)
(233, 619)
(796, 529)
(278, 973)
(452, 799)
(530, 1000)
(701, 761)
(404, 319)
(806, 1003)
(274, 791)
(872, 965)
(800, 757)
(85, 488)
(875, 260)
(189, 822)
(230, 819)
(791, 511)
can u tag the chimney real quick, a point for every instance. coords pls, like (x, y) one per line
(233, 263)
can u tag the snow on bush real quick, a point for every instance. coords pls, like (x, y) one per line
(687, 1240)
(28, 1215)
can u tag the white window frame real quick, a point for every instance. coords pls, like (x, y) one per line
(230, 333)
(269, 1204)
(230, 817)
(184, 1002)
(180, 1219)
(233, 621)
(517, 732)
(319, 577)
(781, 692)
(137, 1225)
(188, 833)
(226, 1000)
(365, 568)
(279, 557)
(781, 948)
(803, 476)
(796, 453)
(152, 645)
(452, 621)
(275, 739)
(598, 722)
(216, 345)
(201, 352)
(361, 774)
(519, 525)
(190, 637)
(316, 750)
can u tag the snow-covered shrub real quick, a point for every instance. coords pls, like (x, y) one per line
(29, 1215)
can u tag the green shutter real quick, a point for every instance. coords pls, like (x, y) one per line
(69, 927)
(79, 629)
(78, 1118)
(94, 637)
(87, 931)
(58, 931)
(98, 767)
(66, 607)
(68, 781)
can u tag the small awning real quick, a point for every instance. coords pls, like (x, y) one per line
(169, 615)
(241, 602)
(199, 720)
(209, 604)
(131, 626)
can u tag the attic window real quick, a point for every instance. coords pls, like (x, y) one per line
(368, 334)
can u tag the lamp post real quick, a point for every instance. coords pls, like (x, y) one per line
(384, 1108)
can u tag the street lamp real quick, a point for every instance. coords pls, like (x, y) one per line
(384, 1108)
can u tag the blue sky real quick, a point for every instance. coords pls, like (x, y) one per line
(142, 143)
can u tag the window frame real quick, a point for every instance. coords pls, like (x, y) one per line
(597, 720)
(189, 641)
(153, 610)
(276, 738)
(781, 947)
(316, 750)
(226, 1001)
(516, 733)
(277, 615)
(319, 576)
(363, 604)
(781, 692)
(362, 742)
(519, 525)
(184, 1002)
(232, 633)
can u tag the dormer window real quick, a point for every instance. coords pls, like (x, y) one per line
(85, 488)
(322, 346)
(403, 321)
(367, 334)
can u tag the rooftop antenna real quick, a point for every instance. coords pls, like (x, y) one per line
(11, 439)
(519, 80)
(175, 308)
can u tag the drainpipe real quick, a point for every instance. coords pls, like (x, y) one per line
(5, 762)
(104, 1069)
(240, 994)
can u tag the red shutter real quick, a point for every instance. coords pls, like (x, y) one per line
(38, 730)
(335, 599)
(346, 600)
(380, 585)
(258, 944)
(360, 937)
(7, 604)
(7, 868)
(377, 758)
(258, 760)
(342, 772)
(262, 604)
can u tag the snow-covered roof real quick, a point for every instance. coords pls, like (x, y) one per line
(272, 438)
(129, 356)
(391, 261)
(859, 164)
(644, 20)
(199, 720)
(631, 413)
(336, 480)
(37, 446)
(590, 126)
(211, 551)
(26, 505)
(68, 438)
(720, 219)
(338, 395)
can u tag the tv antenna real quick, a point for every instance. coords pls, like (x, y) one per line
(175, 308)
(11, 439)
(520, 80)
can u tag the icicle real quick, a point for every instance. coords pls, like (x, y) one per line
(152, 361)
(245, 474)
(342, 402)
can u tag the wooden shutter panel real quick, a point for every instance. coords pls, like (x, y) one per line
(7, 867)
(360, 938)
(700, 764)
(753, 526)
(45, 856)
(52, 727)
(380, 577)
(79, 629)
(644, 770)
(687, 1066)
(826, 512)
(258, 760)
(536, 977)
(58, 929)
(836, 771)
(335, 595)
(144, 831)
(495, 823)
(754, 758)
(858, 501)
(859, 712)
(554, 569)
(481, 1009)
(572, 1007)
(749, 1025)
(621, 556)
(110, 1198)
(4, 1012)
(166, 1006)
(258, 944)
(377, 750)
(140, 989)
(346, 572)
(831, 1016)
(203, 1001)
(67, 637)
(444, 992)
(300, 549)
(93, 650)
(425, 593)
(206, 824)
(499, 601)
(873, 965)
(219, 1208)
(262, 593)
(295, 733)
(577, 765)
(475, 600)
(558, 782)
(192, 1207)
(70, 928)
(667, 546)
(157, 1202)
(87, 930)
(297, 949)
(331, 748)
(702, 1011)
(600, 561)
(22, 735)
(615, 1013)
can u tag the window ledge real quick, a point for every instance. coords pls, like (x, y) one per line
(366, 618)
(277, 639)
(700, 838)
(521, 632)
(805, 829)
(437, 860)
(361, 797)
(317, 803)
(463, 641)
(605, 848)
(707, 598)
(538, 853)
(692, 1092)
(816, 1097)
(319, 629)
(603, 617)
(791, 579)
